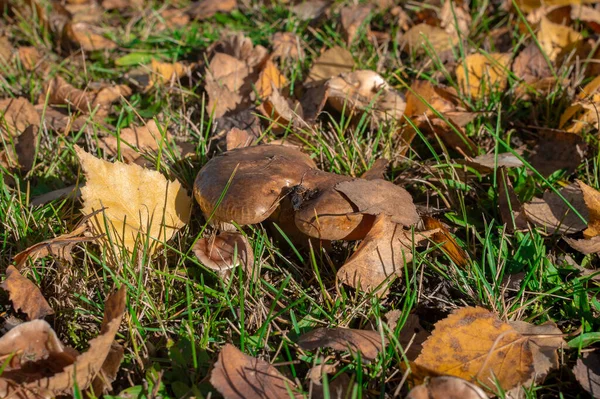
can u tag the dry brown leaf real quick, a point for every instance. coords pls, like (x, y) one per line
(473, 344)
(367, 343)
(412, 336)
(532, 5)
(29, 57)
(134, 201)
(205, 9)
(447, 242)
(173, 18)
(60, 246)
(238, 138)
(25, 295)
(286, 45)
(423, 96)
(122, 4)
(452, 135)
(489, 162)
(511, 210)
(57, 370)
(557, 40)
(455, 18)
(377, 170)
(365, 91)
(241, 48)
(591, 197)
(16, 115)
(353, 18)
(585, 246)
(88, 37)
(239, 376)
(310, 9)
(587, 372)
(479, 73)
(380, 197)
(108, 372)
(553, 214)
(557, 149)
(281, 111)
(135, 141)
(226, 84)
(422, 36)
(225, 251)
(583, 113)
(332, 62)
(64, 122)
(379, 257)
(20, 153)
(447, 387)
(6, 50)
(269, 78)
(530, 65)
(337, 388)
(165, 72)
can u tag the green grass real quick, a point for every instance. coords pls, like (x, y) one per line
(179, 313)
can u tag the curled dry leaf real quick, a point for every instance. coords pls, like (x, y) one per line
(239, 376)
(133, 201)
(224, 252)
(472, 343)
(447, 242)
(553, 214)
(269, 79)
(25, 295)
(488, 163)
(286, 45)
(587, 372)
(226, 84)
(241, 48)
(353, 19)
(332, 62)
(165, 72)
(20, 154)
(16, 115)
(42, 367)
(365, 91)
(591, 242)
(530, 65)
(447, 387)
(60, 246)
(479, 73)
(205, 9)
(88, 37)
(367, 343)
(281, 111)
(377, 170)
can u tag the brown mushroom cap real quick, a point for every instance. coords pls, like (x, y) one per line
(260, 175)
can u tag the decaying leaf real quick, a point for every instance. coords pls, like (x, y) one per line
(423, 36)
(447, 242)
(530, 65)
(310, 9)
(367, 343)
(25, 295)
(87, 36)
(60, 246)
(133, 201)
(336, 389)
(552, 213)
(353, 18)
(556, 150)
(47, 369)
(226, 84)
(591, 241)
(20, 152)
(30, 57)
(224, 252)
(238, 138)
(204, 9)
(557, 40)
(412, 337)
(377, 170)
(473, 344)
(587, 372)
(447, 387)
(239, 376)
(365, 91)
(489, 162)
(165, 72)
(241, 48)
(479, 73)
(269, 78)
(455, 18)
(16, 115)
(332, 62)
(287, 45)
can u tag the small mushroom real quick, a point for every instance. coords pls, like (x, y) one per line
(224, 252)
(246, 185)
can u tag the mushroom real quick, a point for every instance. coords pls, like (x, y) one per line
(225, 251)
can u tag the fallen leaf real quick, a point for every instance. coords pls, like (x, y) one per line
(447, 242)
(6, 50)
(25, 295)
(29, 376)
(238, 138)
(473, 344)
(60, 246)
(224, 252)
(173, 19)
(165, 72)
(133, 201)
(286, 45)
(489, 162)
(337, 388)
(377, 170)
(22, 155)
(269, 78)
(557, 40)
(367, 343)
(16, 115)
(423, 36)
(29, 57)
(365, 91)
(452, 135)
(226, 85)
(88, 37)
(205, 9)
(380, 197)
(122, 4)
(447, 387)
(353, 19)
(332, 62)
(310, 9)
(479, 73)
(412, 336)
(102, 383)
(455, 19)
(530, 65)
(591, 198)
(587, 372)
(135, 141)
(556, 150)
(554, 215)
(281, 111)
(239, 376)
(242, 48)
(528, 6)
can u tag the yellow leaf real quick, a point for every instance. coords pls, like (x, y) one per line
(530, 5)
(163, 72)
(478, 73)
(557, 40)
(591, 197)
(136, 201)
(269, 77)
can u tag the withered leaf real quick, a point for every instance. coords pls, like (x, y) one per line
(380, 197)
(287, 45)
(238, 138)
(25, 295)
(557, 40)
(87, 36)
(310, 9)
(269, 78)
(332, 62)
(16, 115)
(22, 154)
(336, 389)
(226, 84)
(29, 56)
(489, 162)
(165, 72)
(60, 246)
(591, 197)
(205, 9)
(367, 343)
(587, 372)
(447, 242)
(447, 387)
(472, 343)
(422, 36)
(585, 246)
(239, 376)
(530, 65)
(553, 214)
(133, 200)
(479, 73)
(377, 170)
(412, 336)
(353, 18)
(557, 149)
(455, 18)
